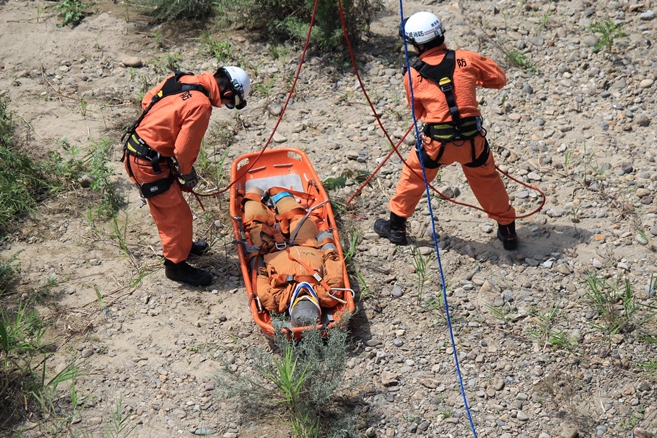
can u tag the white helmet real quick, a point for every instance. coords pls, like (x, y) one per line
(422, 27)
(241, 85)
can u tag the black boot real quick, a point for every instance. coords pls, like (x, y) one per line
(507, 234)
(394, 229)
(187, 274)
(199, 248)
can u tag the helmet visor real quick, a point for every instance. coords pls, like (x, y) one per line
(237, 99)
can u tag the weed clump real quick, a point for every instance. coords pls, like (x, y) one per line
(302, 382)
(71, 11)
(290, 19)
(617, 308)
(608, 32)
(164, 11)
(22, 182)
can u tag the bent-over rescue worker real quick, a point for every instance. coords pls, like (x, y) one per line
(444, 94)
(162, 148)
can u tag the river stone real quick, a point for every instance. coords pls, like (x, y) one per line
(132, 61)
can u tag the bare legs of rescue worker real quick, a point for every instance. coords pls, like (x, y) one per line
(484, 180)
(173, 219)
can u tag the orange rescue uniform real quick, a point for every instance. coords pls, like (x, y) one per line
(471, 71)
(174, 127)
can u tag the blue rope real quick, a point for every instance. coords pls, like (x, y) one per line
(418, 146)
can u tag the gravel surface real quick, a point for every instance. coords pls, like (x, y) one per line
(533, 353)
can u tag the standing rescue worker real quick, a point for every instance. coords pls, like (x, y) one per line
(162, 148)
(444, 96)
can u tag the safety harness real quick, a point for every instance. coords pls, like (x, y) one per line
(137, 147)
(460, 129)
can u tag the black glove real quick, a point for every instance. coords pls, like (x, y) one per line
(190, 179)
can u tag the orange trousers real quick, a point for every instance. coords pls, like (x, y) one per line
(485, 181)
(169, 210)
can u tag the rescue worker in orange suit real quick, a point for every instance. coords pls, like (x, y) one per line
(444, 86)
(161, 150)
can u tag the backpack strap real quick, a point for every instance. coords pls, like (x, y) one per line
(170, 87)
(443, 76)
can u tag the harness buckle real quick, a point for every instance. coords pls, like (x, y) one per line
(280, 246)
(155, 163)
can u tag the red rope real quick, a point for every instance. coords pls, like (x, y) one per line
(378, 119)
(280, 117)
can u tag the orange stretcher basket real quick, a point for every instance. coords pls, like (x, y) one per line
(290, 169)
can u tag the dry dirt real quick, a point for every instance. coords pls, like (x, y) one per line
(154, 345)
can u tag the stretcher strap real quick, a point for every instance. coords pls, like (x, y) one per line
(302, 195)
(316, 275)
(250, 197)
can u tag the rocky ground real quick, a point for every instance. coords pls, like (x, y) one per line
(576, 123)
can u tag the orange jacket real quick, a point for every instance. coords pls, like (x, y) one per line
(175, 126)
(471, 71)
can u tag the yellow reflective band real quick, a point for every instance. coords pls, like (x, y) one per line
(444, 81)
(131, 149)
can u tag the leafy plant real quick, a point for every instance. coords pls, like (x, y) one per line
(616, 306)
(364, 288)
(340, 181)
(609, 32)
(210, 165)
(8, 273)
(23, 366)
(278, 51)
(520, 59)
(420, 267)
(83, 108)
(546, 17)
(164, 11)
(119, 424)
(504, 313)
(290, 19)
(219, 50)
(354, 236)
(302, 383)
(46, 392)
(98, 159)
(22, 332)
(71, 11)
(119, 232)
(650, 366)
(544, 332)
(7, 124)
(170, 62)
(22, 181)
(265, 87)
